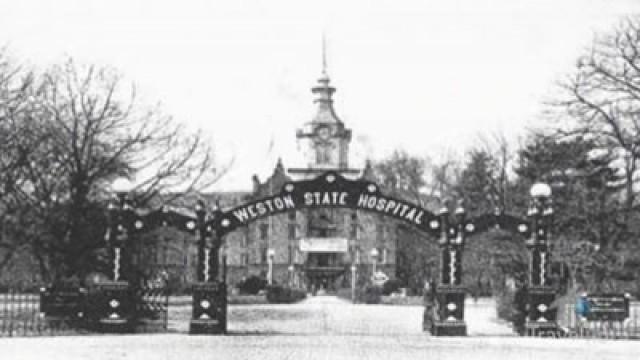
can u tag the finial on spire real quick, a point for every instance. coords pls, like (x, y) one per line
(324, 53)
(279, 166)
(323, 91)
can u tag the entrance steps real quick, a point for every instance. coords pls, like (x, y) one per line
(324, 299)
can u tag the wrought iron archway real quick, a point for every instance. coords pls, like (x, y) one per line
(329, 190)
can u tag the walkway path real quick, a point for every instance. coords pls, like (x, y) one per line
(332, 315)
(482, 319)
(326, 300)
(322, 328)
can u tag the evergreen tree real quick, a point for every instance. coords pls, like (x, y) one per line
(589, 224)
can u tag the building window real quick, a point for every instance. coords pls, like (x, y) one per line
(244, 259)
(379, 233)
(292, 231)
(352, 253)
(246, 237)
(263, 255)
(194, 258)
(264, 231)
(323, 153)
(291, 254)
(383, 256)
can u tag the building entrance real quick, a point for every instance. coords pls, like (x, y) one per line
(323, 260)
(324, 272)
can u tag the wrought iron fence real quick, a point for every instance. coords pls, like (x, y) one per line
(20, 315)
(32, 311)
(573, 325)
(152, 309)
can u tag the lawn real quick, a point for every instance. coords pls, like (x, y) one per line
(232, 300)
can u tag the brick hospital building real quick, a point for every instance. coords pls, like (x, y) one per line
(320, 248)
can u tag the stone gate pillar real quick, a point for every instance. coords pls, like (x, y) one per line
(450, 294)
(209, 313)
(111, 305)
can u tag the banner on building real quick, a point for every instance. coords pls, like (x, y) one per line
(324, 245)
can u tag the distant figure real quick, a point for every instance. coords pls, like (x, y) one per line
(430, 309)
(474, 294)
(427, 288)
(582, 306)
(520, 309)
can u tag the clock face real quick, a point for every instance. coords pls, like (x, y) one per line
(324, 133)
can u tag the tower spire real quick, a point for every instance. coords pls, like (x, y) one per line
(323, 91)
(324, 54)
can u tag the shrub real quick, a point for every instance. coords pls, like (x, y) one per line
(391, 286)
(277, 294)
(505, 308)
(511, 306)
(246, 299)
(402, 300)
(371, 294)
(252, 285)
(344, 293)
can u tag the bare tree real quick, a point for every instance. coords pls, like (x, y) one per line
(602, 98)
(442, 175)
(15, 139)
(90, 129)
(402, 175)
(497, 147)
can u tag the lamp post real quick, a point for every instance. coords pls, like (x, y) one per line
(209, 294)
(214, 246)
(374, 257)
(201, 268)
(457, 246)
(112, 302)
(120, 213)
(113, 211)
(354, 268)
(290, 269)
(443, 214)
(270, 255)
(540, 211)
(540, 295)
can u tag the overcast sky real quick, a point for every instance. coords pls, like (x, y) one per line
(427, 76)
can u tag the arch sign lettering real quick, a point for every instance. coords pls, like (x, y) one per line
(333, 190)
(328, 190)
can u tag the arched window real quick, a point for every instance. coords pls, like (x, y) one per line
(323, 154)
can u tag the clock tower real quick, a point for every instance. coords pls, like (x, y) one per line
(316, 248)
(325, 140)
